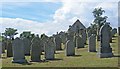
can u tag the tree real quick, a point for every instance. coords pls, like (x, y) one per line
(10, 32)
(25, 34)
(99, 19)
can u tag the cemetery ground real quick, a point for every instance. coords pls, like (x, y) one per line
(83, 58)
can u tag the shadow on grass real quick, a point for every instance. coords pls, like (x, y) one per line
(56, 59)
(76, 56)
(116, 56)
(113, 39)
(4, 57)
(57, 53)
(112, 42)
(27, 63)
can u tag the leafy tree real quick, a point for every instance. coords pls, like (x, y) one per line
(10, 32)
(99, 19)
(25, 34)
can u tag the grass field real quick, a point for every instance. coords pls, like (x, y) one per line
(83, 58)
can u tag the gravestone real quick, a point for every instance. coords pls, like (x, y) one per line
(18, 51)
(58, 42)
(113, 32)
(92, 43)
(89, 33)
(9, 48)
(105, 49)
(63, 37)
(0, 48)
(3, 47)
(43, 40)
(36, 50)
(84, 36)
(49, 49)
(26, 43)
(70, 46)
(79, 42)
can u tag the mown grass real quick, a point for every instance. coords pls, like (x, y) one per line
(83, 58)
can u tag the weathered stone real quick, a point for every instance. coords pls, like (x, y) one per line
(9, 48)
(26, 43)
(105, 49)
(63, 37)
(92, 43)
(3, 47)
(79, 42)
(36, 50)
(89, 33)
(18, 51)
(84, 36)
(113, 32)
(49, 49)
(58, 42)
(70, 46)
(0, 48)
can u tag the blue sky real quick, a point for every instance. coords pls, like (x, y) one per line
(49, 16)
(36, 11)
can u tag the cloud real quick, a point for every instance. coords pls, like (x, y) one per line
(64, 16)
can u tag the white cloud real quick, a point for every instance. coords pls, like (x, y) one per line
(64, 16)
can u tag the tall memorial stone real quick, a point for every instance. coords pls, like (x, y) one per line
(105, 50)
(0, 48)
(49, 49)
(92, 43)
(9, 48)
(27, 43)
(36, 50)
(18, 51)
(58, 42)
(79, 42)
(3, 46)
(70, 46)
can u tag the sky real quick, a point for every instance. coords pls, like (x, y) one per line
(51, 16)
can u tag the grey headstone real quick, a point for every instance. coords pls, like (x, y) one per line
(0, 48)
(9, 48)
(27, 43)
(89, 33)
(105, 50)
(36, 50)
(3, 47)
(58, 42)
(79, 42)
(113, 32)
(18, 51)
(84, 36)
(70, 46)
(92, 43)
(49, 49)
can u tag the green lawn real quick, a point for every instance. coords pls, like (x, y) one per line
(83, 58)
